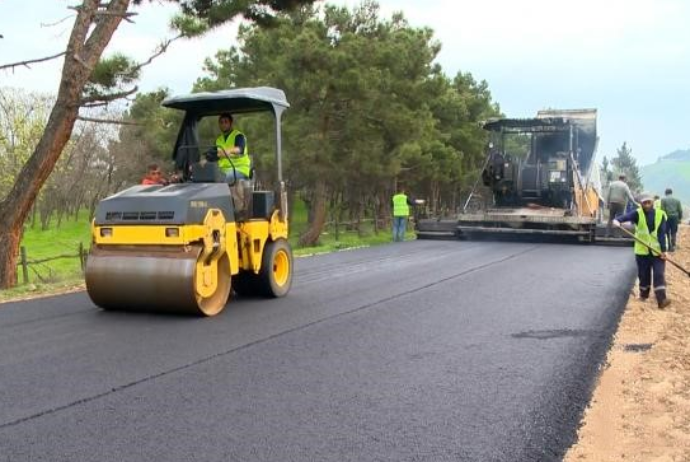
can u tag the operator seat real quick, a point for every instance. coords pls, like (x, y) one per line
(208, 172)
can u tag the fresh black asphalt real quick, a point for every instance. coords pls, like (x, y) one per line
(418, 351)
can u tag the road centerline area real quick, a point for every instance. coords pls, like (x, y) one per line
(259, 341)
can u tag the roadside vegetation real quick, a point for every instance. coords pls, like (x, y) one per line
(370, 110)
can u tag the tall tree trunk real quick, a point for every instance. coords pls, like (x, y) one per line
(92, 207)
(9, 253)
(360, 216)
(34, 214)
(46, 212)
(83, 51)
(386, 208)
(60, 213)
(77, 208)
(436, 198)
(318, 212)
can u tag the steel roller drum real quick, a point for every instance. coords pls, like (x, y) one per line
(152, 280)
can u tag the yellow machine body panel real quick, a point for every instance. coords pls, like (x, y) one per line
(161, 235)
(147, 234)
(587, 201)
(586, 198)
(252, 238)
(195, 262)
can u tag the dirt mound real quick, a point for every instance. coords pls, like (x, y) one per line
(640, 410)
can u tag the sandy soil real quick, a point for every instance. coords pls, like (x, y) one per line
(640, 410)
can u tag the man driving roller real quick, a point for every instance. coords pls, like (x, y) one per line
(232, 151)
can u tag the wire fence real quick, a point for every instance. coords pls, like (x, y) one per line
(27, 266)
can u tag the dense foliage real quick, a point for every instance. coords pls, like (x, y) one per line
(369, 109)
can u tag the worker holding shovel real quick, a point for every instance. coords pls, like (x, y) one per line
(650, 247)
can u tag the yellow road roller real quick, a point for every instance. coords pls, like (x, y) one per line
(185, 247)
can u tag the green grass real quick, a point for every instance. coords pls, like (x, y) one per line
(327, 241)
(345, 240)
(32, 289)
(57, 275)
(56, 241)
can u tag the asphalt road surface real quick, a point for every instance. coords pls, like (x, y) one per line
(421, 351)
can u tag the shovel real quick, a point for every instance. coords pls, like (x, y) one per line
(652, 250)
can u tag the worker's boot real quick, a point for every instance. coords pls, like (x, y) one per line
(664, 303)
(661, 299)
(644, 294)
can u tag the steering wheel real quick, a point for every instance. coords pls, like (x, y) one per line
(212, 156)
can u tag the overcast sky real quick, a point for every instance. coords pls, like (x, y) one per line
(628, 59)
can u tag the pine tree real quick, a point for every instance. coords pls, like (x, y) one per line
(625, 163)
(606, 174)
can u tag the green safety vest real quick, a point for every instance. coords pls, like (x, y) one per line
(400, 207)
(643, 234)
(242, 162)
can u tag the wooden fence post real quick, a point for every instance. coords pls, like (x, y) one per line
(25, 265)
(82, 259)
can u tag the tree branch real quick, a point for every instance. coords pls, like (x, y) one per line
(82, 24)
(107, 121)
(162, 48)
(124, 15)
(100, 36)
(51, 24)
(86, 65)
(31, 61)
(99, 104)
(95, 100)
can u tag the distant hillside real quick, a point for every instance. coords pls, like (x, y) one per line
(672, 170)
(678, 155)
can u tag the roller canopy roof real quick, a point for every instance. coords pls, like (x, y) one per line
(235, 101)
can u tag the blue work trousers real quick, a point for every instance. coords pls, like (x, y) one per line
(672, 224)
(399, 228)
(650, 269)
(231, 176)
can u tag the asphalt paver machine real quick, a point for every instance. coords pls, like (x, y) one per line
(539, 178)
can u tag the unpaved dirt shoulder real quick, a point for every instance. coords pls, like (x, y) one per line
(640, 410)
